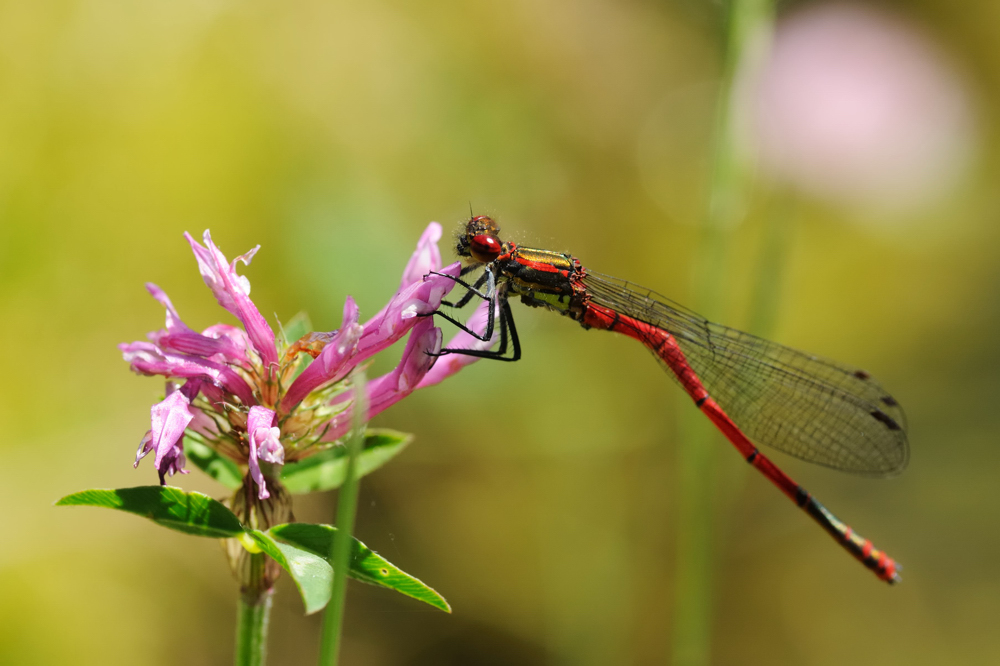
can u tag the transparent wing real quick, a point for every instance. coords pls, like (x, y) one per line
(809, 407)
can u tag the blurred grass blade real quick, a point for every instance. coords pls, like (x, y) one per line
(365, 564)
(220, 468)
(312, 574)
(326, 470)
(342, 545)
(748, 25)
(188, 512)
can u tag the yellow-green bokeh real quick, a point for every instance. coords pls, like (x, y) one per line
(537, 496)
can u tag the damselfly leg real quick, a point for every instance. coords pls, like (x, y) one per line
(470, 290)
(498, 302)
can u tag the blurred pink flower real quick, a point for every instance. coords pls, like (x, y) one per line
(855, 105)
(253, 402)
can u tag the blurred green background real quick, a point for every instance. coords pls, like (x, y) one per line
(538, 497)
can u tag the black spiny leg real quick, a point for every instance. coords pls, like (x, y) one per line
(469, 291)
(490, 297)
(507, 327)
(496, 301)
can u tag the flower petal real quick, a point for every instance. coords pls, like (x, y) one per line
(197, 345)
(176, 336)
(145, 447)
(174, 323)
(403, 311)
(260, 428)
(269, 448)
(418, 358)
(385, 391)
(449, 364)
(203, 424)
(148, 359)
(168, 418)
(233, 293)
(173, 463)
(425, 258)
(236, 343)
(332, 364)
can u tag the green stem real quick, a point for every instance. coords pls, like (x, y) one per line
(340, 551)
(771, 265)
(748, 26)
(252, 621)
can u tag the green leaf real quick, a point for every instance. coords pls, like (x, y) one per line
(366, 565)
(325, 470)
(312, 574)
(188, 512)
(296, 327)
(217, 466)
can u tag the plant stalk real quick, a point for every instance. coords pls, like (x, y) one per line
(747, 36)
(340, 551)
(253, 616)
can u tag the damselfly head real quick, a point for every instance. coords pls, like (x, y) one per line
(480, 240)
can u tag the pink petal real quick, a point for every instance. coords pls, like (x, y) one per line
(269, 448)
(198, 345)
(401, 314)
(332, 364)
(174, 324)
(177, 337)
(235, 338)
(148, 359)
(145, 447)
(259, 426)
(449, 364)
(425, 258)
(387, 390)
(418, 358)
(215, 395)
(233, 293)
(203, 424)
(169, 418)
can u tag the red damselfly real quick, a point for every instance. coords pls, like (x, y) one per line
(751, 389)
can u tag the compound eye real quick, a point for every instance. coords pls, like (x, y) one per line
(485, 248)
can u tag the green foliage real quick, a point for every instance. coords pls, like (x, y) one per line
(365, 564)
(296, 327)
(292, 331)
(188, 512)
(312, 574)
(326, 470)
(303, 550)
